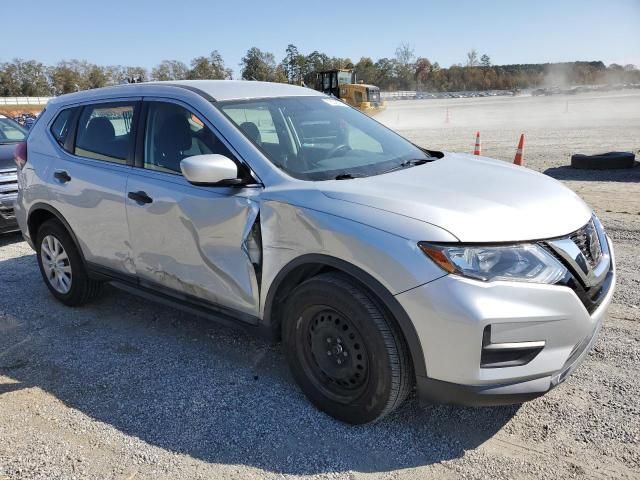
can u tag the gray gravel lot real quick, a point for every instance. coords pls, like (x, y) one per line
(126, 388)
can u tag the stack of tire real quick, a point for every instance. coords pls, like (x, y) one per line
(604, 161)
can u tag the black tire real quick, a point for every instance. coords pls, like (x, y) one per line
(82, 288)
(604, 161)
(376, 374)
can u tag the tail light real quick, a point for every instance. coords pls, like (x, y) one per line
(20, 155)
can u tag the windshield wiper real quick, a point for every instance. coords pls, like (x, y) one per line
(407, 163)
(417, 161)
(344, 176)
(410, 163)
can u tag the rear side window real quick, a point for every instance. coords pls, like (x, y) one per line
(60, 127)
(105, 132)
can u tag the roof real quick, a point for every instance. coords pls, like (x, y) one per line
(365, 85)
(218, 90)
(238, 89)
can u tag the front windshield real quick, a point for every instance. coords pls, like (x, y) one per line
(344, 78)
(320, 138)
(10, 131)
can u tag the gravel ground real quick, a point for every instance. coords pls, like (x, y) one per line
(128, 389)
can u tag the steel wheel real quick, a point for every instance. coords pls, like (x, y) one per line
(345, 352)
(334, 353)
(56, 264)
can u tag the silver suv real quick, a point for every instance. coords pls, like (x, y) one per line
(379, 264)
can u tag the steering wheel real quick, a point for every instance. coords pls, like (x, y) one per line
(343, 147)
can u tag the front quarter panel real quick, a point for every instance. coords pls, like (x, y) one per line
(291, 231)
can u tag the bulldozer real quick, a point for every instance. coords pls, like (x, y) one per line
(341, 83)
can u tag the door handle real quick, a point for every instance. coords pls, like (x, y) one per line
(140, 197)
(62, 176)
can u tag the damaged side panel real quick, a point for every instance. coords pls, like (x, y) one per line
(201, 242)
(252, 242)
(289, 232)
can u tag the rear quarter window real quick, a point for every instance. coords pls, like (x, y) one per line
(60, 126)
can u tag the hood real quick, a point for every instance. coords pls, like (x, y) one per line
(476, 199)
(6, 156)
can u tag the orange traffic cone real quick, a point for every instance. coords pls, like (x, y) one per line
(446, 118)
(476, 150)
(519, 158)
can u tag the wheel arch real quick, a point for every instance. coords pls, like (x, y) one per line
(307, 266)
(42, 212)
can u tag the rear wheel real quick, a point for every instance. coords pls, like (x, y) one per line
(344, 350)
(61, 266)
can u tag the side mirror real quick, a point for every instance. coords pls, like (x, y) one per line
(211, 169)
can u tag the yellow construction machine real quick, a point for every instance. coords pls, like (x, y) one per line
(341, 83)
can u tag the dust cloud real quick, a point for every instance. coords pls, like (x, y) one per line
(554, 126)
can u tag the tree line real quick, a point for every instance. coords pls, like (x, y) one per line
(404, 71)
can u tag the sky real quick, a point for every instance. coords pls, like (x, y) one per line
(145, 32)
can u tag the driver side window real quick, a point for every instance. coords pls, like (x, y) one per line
(264, 128)
(172, 134)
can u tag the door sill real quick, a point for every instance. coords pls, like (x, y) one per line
(197, 306)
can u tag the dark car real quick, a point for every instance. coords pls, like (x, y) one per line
(29, 122)
(11, 133)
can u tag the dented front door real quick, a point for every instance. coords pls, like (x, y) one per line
(194, 240)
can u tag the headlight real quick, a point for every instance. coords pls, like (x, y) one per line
(520, 263)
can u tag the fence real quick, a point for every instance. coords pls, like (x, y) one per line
(24, 100)
(400, 95)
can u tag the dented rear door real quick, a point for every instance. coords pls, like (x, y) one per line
(195, 240)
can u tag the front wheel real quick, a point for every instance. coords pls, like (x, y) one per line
(345, 351)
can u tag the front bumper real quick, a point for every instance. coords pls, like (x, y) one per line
(8, 196)
(8, 221)
(450, 315)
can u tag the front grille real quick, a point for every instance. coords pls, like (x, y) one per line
(8, 189)
(8, 182)
(587, 241)
(8, 192)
